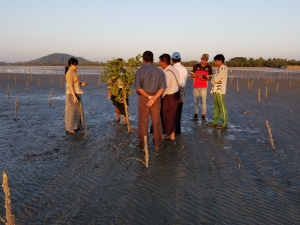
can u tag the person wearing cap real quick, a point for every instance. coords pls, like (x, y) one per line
(201, 73)
(150, 83)
(176, 62)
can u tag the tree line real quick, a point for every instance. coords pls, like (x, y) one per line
(234, 62)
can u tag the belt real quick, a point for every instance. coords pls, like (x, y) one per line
(151, 94)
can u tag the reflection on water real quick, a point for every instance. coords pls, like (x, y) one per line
(51, 70)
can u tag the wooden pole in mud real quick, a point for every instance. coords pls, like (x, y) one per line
(237, 86)
(10, 219)
(99, 81)
(249, 84)
(146, 152)
(266, 92)
(258, 95)
(85, 130)
(27, 84)
(52, 80)
(270, 135)
(290, 82)
(8, 91)
(50, 100)
(277, 87)
(16, 109)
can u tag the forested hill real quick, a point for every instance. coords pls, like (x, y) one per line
(57, 57)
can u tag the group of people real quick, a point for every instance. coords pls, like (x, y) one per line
(159, 96)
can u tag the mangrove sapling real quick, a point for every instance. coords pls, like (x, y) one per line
(122, 80)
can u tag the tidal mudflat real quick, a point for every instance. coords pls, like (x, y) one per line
(207, 176)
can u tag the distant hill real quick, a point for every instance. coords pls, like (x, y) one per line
(57, 58)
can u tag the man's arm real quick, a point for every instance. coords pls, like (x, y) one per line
(193, 72)
(155, 97)
(222, 73)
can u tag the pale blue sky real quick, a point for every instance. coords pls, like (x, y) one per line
(100, 30)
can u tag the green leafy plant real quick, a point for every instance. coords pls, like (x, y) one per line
(122, 73)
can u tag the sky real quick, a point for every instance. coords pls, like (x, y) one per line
(99, 30)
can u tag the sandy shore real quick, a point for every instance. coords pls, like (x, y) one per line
(208, 176)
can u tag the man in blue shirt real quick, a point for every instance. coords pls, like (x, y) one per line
(150, 83)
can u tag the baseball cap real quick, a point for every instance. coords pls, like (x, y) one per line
(176, 55)
(205, 56)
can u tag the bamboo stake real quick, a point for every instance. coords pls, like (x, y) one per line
(277, 87)
(290, 82)
(146, 152)
(60, 86)
(8, 91)
(27, 84)
(10, 220)
(266, 92)
(258, 95)
(50, 100)
(16, 109)
(15, 80)
(85, 131)
(126, 112)
(270, 135)
(99, 81)
(52, 80)
(248, 84)
(237, 86)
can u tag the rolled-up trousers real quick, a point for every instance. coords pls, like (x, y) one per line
(143, 121)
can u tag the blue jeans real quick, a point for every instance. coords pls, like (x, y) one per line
(200, 93)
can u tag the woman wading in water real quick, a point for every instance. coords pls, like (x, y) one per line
(74, 118)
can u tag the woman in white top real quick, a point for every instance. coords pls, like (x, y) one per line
(74, 118)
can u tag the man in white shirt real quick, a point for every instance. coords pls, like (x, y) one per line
(170, 97)
(219, 82)
(176, 62)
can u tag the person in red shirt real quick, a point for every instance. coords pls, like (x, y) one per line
(201, 73)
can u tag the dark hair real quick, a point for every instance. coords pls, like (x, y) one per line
(219, 57)
(148, 56)
(71, 61)
(176, 60)
(165, 58)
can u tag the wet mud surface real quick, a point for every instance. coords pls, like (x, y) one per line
(207, 176)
